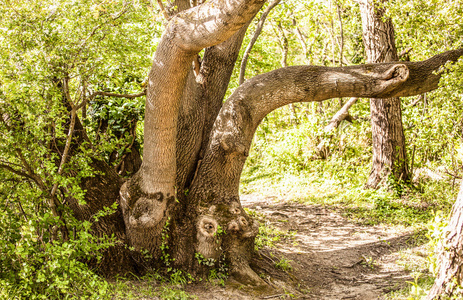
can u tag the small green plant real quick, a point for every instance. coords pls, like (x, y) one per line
(416, 290)
(215, 276)
(284, 265)
(210, 262)
(369, 262)
(268, 234)
(220, 231)
(436, 234)
(167, 293)
(165, 256)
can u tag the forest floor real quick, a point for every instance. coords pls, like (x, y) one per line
(325, 256)
(310, 251)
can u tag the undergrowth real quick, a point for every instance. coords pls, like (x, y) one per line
(283, 162)
(152, 285)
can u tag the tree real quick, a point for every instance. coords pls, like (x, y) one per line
(389, 152)
(450, 276)
(183, 202)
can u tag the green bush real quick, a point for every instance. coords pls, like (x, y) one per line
(35, 266)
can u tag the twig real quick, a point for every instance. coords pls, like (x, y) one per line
(415, 102)
(413, 162)
(273, 296)
(405, 52)
(341, 47)
(451, 174)
(259, 27)
(129, 96)
(19, 173)
(163, 9)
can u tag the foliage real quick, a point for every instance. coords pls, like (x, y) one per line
(284, 264)
(149, 286)
(283, 159)
(268, 235)
(53, 56)
(34, 266)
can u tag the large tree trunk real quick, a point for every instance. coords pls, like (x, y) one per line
(389, 154)
(157, 194)
(450, 277)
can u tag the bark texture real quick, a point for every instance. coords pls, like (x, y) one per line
(184, 200)
(450, 277)
(216, 184)
(208, 218)
(389, 153)
(149, 197)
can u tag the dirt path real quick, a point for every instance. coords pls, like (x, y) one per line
(331, 257)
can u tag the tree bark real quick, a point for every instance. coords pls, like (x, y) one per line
(389, 153)
(149, 196)
(184, 200)
(450, 277)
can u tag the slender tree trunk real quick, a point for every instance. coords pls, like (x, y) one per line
(389, 153)
(450, 277)
(255, 36)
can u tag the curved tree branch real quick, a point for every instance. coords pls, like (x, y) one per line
(247, 106)
(186, 34)
(147, 197)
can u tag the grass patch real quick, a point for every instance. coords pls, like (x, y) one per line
(268, 235)
(149, 286)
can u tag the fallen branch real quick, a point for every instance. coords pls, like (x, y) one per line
(342, 114)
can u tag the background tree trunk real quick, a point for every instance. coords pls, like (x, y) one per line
(389, 154)
(449, 279)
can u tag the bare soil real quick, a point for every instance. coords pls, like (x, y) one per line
(330, 256)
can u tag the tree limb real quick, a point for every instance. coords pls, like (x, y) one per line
(163, 9)
(340, 115)
(253, 100)
(14, 171)
(254, 38)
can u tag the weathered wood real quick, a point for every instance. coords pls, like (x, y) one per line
(450, 277)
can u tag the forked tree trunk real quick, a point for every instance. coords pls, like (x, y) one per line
(389, 153)
(184, 200)
(448, 284)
